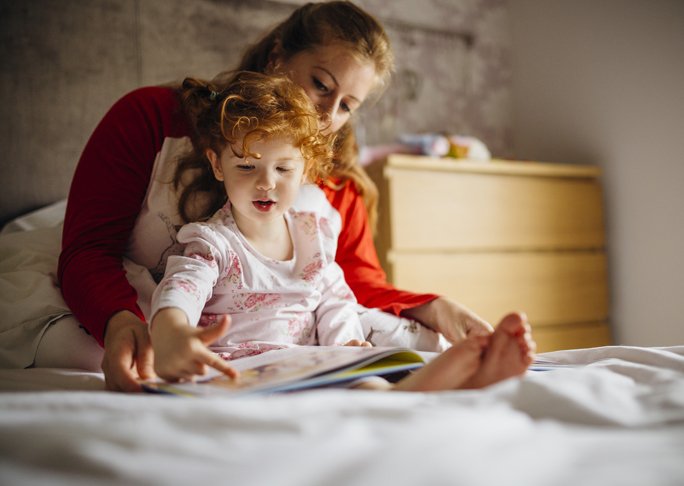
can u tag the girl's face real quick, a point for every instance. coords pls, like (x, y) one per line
(335, 80)
(260, 190)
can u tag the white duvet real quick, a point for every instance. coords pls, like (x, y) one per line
(618, 419)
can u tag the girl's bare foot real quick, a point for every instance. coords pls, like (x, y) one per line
(476, 362)
(450, 370)
(509, 353)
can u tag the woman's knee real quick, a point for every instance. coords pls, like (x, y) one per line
(66, 344)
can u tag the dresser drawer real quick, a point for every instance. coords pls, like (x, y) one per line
(553, 288)
(499, 237)
(438, 210)
(571, 336)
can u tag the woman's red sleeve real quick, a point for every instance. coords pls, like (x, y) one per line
(106, 195)
(358, 258)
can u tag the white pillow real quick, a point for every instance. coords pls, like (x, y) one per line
(45, 217)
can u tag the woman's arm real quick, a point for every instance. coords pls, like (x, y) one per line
(358, 258)
(128, 353)
(453, 320)
(106, 195)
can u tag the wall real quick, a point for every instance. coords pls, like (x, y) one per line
(603, 83)
(64, 62)
(452, 74)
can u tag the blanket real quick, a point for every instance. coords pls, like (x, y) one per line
(611, 415)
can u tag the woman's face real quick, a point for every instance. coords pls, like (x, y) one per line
(335, 80)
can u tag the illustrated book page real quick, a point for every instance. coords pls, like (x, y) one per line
(298, 368)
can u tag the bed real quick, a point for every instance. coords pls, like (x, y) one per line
(607, 415)
(618, 419)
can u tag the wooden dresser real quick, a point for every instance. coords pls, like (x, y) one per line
(500, 236)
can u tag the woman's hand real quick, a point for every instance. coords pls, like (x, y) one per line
(127, 353)
(180, 351)
(452, 319)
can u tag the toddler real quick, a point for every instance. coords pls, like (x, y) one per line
(266, 258)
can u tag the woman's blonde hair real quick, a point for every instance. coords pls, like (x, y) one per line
(234, 111)
(320, 24)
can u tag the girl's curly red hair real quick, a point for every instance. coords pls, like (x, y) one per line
(233, 111)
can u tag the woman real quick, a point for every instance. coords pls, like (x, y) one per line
(121, 192)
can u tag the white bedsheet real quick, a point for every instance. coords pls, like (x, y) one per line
(618, 420)
(29, 296)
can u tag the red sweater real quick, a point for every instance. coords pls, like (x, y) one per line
(108, 190)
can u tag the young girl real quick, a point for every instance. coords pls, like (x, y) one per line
(266, 258)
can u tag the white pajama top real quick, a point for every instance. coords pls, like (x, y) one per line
(303, 301)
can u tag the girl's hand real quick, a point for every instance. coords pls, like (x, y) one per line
(180, 351)
(358, 342)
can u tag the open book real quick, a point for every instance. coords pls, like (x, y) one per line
(298, 368)
(301, 367)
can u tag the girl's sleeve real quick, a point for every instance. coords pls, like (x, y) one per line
(106, 195)
(337, 320)
(189, 279)
(358, 258)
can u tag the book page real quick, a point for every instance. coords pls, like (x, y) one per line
(275, 370)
